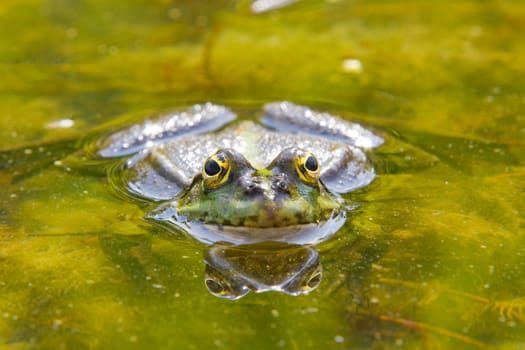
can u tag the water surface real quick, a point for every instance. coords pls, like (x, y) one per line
(432, 258)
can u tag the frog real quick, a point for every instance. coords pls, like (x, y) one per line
(222, 179)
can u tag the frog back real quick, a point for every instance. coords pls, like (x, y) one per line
(163, 170)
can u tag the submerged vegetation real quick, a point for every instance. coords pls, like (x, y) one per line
(432, 256)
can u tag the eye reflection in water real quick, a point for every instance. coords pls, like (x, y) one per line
(232, 271)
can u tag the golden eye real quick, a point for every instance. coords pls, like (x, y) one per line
(314, 281)
(216, 171)
(307, 167)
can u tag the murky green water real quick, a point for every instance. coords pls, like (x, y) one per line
(434, 257)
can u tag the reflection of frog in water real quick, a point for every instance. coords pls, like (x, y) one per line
(247, 184)
(233, 270)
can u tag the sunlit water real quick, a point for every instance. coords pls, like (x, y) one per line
(432, 256)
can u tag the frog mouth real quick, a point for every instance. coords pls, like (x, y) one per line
(209, 232)
(264, 210)
(275, 212)
(272, 201)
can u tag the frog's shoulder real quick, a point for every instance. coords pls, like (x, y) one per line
(162, 170)
(292, 117)
(164, 128)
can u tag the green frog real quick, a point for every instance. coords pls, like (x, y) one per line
(244, 182)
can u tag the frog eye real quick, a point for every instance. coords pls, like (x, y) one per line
(216, 171)
(307, 167)
(314, 281)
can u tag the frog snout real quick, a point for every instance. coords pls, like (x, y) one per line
(268, 189)
(252, 186)
(281, 184)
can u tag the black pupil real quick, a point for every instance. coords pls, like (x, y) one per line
(311, 164)
(214, 287)
(212, 167)
(314, 281)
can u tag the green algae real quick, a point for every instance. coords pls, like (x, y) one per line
(433, 257)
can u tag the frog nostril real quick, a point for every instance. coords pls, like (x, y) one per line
(250, 187)
(282, 186)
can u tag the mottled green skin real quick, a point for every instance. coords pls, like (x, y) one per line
(273, 196)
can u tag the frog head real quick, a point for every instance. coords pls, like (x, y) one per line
(229, 191)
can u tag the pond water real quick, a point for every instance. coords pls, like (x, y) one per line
(432, 257)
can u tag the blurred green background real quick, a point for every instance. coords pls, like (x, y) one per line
(433, 258)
